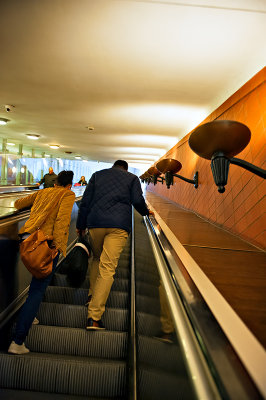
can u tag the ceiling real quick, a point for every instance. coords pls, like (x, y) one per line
(142, 73)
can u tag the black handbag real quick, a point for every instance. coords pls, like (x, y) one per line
(75, 265)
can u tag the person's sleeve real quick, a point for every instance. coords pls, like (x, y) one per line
(85, 204)
(137, 199)
(62, 222)
(26, 202)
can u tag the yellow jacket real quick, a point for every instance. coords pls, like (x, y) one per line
(57, 203)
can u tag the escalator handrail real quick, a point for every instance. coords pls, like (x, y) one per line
(199, 373)
(18, 215)
(132, 351)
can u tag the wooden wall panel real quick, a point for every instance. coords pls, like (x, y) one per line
(241, 209)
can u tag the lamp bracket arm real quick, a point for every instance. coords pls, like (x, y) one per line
(248, 166)
(193, 181)
(183, 178)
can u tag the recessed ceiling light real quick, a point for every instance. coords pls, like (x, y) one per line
(78, 157)
(10, 144)
(3, 121)
(33, 137)
(54, 146)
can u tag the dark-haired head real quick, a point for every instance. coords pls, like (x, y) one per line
(121, 164)
(65, 178)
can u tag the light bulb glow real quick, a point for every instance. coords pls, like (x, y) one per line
(33, 137)
(3, 121)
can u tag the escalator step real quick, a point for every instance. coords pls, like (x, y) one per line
(66, 295)
(148, 325)
(149, 305)
(63, 374)
(76, 316)
(146, 289)
(122, 285)
(165, 356)
(144, 276)
(79, 342)
(158, 385)
(9, 394)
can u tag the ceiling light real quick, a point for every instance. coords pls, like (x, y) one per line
(3, 121)
(85, 160)
(54, 146)
(91, 128)
(33, 137)
(78, 157)
(10, 144)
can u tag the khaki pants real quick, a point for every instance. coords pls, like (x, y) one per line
(107, 245)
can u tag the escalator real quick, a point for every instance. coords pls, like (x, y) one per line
(67, 362)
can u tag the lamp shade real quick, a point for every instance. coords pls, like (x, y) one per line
(169, 165)
(154, 171)
(228, 137)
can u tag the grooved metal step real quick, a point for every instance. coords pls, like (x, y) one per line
(67, 295)
(149, 305)
(148, 325)
(10, 394)
(157, 385)
(63, 374)
(146, 289)
(72, 316)
(77, 342)
(147, 277)
(165, 356)
(121, 285)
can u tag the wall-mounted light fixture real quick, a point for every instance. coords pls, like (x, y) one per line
(169, 167)
(219, 141)
(155, 175)
(145, 178)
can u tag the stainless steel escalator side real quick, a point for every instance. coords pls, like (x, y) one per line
(201, 379)
(17, 188)
(222, 369)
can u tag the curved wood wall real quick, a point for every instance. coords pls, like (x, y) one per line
(241, 209)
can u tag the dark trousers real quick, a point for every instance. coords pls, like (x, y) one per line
(31, 306)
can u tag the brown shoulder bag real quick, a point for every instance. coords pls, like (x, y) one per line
(36, 254)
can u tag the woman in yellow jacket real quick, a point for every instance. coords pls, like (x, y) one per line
(55, 203)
